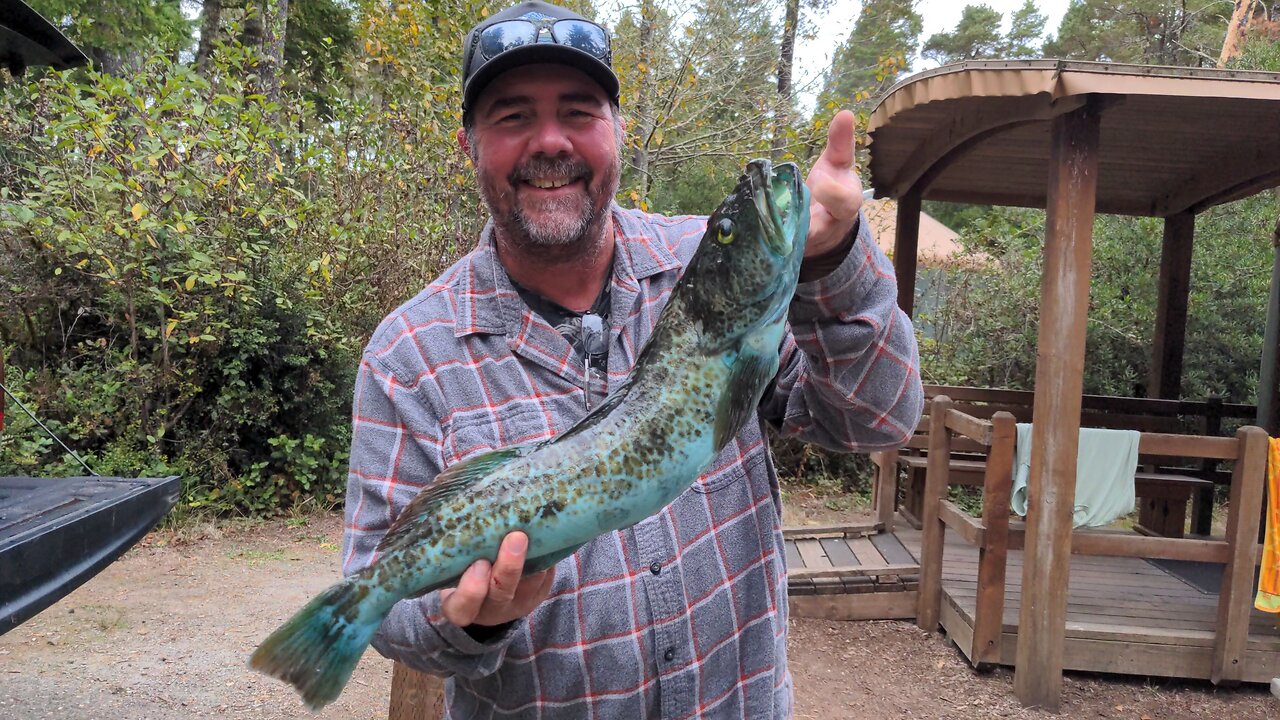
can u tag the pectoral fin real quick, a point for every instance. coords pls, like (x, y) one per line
(751, 373)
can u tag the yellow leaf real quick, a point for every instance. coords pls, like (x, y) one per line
(191, 282)
(168, 330)
(138, 211)
(180, 227)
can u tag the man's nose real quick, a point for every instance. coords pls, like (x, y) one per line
(551, 138)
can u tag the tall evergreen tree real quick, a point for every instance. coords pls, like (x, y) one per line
(876, 53)
(1026, 32)
(977, 36)
(1149, 32)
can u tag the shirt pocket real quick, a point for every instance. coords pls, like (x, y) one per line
(475, 435)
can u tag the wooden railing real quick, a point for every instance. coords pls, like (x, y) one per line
(1152, 416)
(995, 535)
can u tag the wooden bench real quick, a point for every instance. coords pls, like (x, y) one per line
(1165, 486)
(995, 536)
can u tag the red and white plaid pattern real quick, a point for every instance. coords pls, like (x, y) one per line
(683, 615)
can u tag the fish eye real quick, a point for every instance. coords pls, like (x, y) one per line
(724, 231)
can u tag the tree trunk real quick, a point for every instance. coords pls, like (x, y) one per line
(275, 24)
(786, 59)
(1237, 29)
(644, 98)
(210, 27)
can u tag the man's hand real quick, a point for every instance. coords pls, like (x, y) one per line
(495, 595)
(834, 187)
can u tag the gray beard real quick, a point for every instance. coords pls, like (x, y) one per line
(569, 234)
(562, 230)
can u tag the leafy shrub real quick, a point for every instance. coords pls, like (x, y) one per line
(191, 270)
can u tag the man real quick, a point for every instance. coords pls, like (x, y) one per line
(685, 613)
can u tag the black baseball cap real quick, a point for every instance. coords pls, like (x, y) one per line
(586, 51)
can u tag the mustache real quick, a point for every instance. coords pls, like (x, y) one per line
(536, 167)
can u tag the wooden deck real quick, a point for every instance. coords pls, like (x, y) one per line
(1124, 615)
(850, 573)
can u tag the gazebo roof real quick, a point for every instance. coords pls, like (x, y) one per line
(979, 132)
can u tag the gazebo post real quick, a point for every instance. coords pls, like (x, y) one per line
(1269, 377)
(1171, 309)
(906, 244)
(1064, 305)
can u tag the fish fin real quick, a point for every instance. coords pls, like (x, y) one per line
(742, 393)
(317, 649)
(446, 485)
(542, 562)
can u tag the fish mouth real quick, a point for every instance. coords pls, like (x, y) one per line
(775, 192)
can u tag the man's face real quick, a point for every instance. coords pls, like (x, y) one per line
(547, 157)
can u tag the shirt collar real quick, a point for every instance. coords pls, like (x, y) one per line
(488, 303)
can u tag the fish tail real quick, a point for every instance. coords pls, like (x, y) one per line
(317, 649)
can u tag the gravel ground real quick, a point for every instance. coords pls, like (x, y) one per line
(165, 632)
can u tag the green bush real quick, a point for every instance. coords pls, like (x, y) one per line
(988, 315)
(192, 270)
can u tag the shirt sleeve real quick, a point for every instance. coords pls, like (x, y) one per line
(389, 465)
(850, 373)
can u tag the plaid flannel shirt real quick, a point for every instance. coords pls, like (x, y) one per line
(684, 614)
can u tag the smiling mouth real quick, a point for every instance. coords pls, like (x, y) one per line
(550, 183)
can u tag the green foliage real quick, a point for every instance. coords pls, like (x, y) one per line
(988, 317)
(118, 32)
(700, 96)
(977, 35)
(191, 269)
(876, 53)
(1261, 51)
(1148, 32)
(319, 43)
(1026, 29)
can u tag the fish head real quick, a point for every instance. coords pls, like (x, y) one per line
(747, 265)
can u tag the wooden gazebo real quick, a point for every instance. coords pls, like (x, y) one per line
(1077, 138)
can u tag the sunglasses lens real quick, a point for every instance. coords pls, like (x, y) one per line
(584, 36)
(593, 338)
(501, 37)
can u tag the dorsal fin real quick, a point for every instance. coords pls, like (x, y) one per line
(751, 372)
(451, 482)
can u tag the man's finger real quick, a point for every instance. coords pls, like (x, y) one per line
(840, 200)
(461, 606)
(534, 589)
(839, 150)
(507, 568)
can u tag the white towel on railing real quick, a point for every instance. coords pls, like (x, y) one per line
(1106, 462)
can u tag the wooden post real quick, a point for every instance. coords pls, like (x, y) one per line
(1269, 376)
(906, 244)
(415, 695)
(1171, 307)
(997, 486)
(1202, 501)
(1064, 306)
(884, 494)
(936, 481)
(1235, 598)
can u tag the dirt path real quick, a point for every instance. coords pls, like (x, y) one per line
(165, 632)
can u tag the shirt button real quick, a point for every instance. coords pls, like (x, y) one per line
(669, 655)
(656, 567)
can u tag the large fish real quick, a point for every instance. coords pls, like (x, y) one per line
(713, 352)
